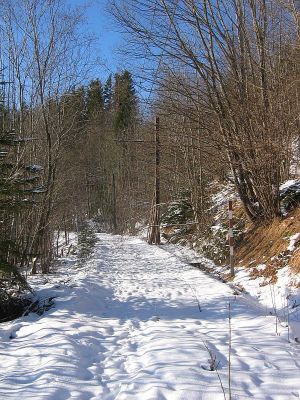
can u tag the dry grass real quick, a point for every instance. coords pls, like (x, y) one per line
(269, 273)
(263, 243)
(295, 261)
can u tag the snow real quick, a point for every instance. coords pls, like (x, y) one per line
(138, 322)
(223, 195)
(294, 239)
(288, 184)
(35, 168)
(38, 190)
(281, 299)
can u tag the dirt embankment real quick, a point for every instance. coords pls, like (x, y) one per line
(270, 244)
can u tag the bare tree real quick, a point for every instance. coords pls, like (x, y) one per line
(239, 52)
(48, 57)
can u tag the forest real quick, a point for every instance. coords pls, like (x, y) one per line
(223, 78)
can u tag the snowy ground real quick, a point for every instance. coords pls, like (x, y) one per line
(281, 299)
(138, 323)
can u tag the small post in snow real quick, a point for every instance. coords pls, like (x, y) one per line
(230, 237)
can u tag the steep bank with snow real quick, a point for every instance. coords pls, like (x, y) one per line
(267, 256)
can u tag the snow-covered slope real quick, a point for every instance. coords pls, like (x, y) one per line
(136, 323)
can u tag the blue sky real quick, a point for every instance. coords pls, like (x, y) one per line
(100, 23)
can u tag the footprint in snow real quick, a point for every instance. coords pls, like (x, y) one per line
(270, 365)
(14, 333)
(155, 318)
(133, 346)
(135, 323)
(110, 331)
(123, 335)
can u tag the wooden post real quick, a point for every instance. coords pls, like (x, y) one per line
(231, 238)
(154, 225)
(157, 182)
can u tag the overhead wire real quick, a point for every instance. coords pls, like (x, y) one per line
(162, 50)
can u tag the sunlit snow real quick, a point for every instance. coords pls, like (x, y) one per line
(137, 323)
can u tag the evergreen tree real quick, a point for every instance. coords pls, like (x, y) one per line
(95, 100)
(18, 187)
(125, 103)
(73, 104)
(107, 94)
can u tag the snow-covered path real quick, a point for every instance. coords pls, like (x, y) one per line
(136, 323)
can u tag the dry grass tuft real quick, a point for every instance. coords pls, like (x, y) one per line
(267, 244)
(269, 272)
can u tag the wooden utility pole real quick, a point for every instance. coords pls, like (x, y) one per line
(231, 238)
(157, 182)
(153, 236)
(154, 226)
